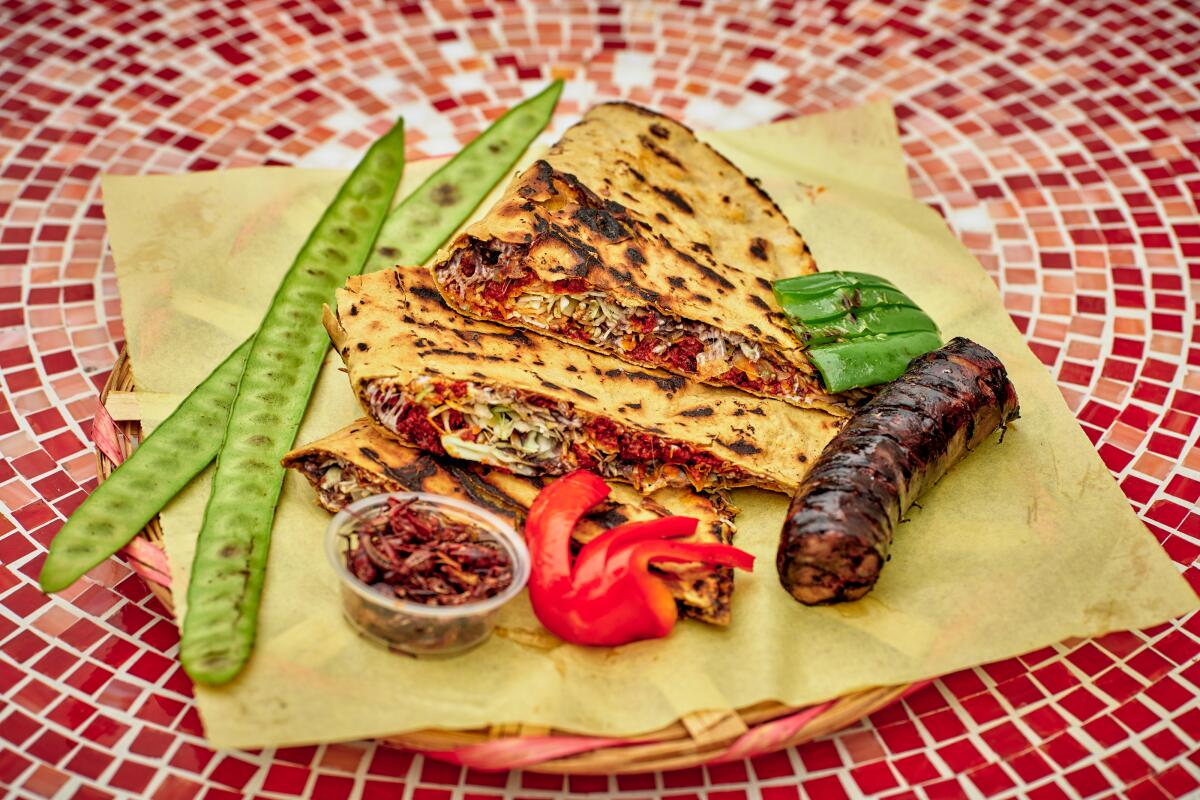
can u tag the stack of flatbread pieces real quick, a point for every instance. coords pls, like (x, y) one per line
(612, 312)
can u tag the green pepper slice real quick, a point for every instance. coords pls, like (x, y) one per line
(870, 360)
(835, 303)
(821, 283)
(864, 322)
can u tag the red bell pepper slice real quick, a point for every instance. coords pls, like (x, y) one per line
(609, 597)
(592, 561)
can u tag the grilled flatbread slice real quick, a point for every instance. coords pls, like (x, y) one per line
(536, 406)
(635, 239)
(359, 461)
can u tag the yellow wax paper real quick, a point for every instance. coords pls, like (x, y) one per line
(1023, 544)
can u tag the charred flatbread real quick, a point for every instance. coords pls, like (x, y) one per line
(359, 461)
(633, 238)
(536, 406)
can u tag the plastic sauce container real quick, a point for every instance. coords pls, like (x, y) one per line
(412, 627)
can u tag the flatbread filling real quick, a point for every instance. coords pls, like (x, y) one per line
(493, 279)
(532, 434)
(339, 483)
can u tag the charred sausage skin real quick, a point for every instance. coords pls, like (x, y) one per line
(840, 523)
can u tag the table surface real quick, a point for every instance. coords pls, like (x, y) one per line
(1061, 144)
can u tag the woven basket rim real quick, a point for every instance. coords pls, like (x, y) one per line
(691, 741)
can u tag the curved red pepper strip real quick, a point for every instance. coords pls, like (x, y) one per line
(552, 517)
(592, 561)
(611, 598)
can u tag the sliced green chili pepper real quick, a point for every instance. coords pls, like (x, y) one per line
(281, 368)
(189, 439)
(864, 322)
(840, 300)
(858, 329)
(154, 473)
(418, 227)
(870, 360)
(820, 283)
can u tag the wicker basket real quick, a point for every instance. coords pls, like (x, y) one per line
(699, 738)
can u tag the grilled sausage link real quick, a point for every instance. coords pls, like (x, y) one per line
(839, 526)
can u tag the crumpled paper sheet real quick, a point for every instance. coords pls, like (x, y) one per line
(1022, 545)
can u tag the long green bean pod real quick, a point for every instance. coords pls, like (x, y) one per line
(229, 568)
(282, 366)
(187, 441)
(427, 216)
(179, 448)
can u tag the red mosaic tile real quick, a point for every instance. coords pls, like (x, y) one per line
(1082, 177)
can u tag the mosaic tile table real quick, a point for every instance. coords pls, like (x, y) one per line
(1062, 144)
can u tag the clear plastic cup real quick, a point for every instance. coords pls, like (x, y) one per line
(416, 628)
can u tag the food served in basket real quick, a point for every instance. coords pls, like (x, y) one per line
(641, 313)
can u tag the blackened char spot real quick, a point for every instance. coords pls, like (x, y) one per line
(411, 476)
(445, 351)
(653, 147)
(633, 405)
(583, 394)
(758, 248)
(671, 383)
(701, 247)
(660, 131)
(554, 387)
(635, 256)
(714, 276)
(363, 347)
(603, 222)
(649, 295)
(698, 411)
(516, 337)
(637, 175)
(609, 517)
(676, 282)
(663, 218)
(759, 303)
(742, 447)
(765, 284)
(425, 293)
(674, 199)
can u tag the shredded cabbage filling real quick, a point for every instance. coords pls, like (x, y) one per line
(531, 434)
(498, 283)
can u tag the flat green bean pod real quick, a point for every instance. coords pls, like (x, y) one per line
(435, 209)
(138, 489)
(187, 441)
(229, 567)
(281, 368)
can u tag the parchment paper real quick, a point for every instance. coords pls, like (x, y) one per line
(1021, 545)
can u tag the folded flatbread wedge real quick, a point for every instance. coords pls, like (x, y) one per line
(359, 461)
(633, 238)
(533, 405)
